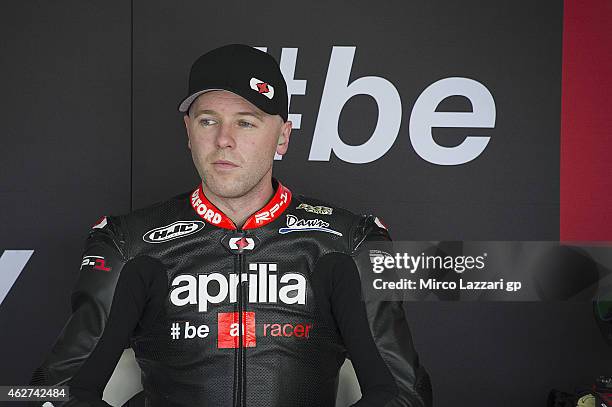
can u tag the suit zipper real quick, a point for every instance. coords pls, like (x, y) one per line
(240, 390)
(244, 294)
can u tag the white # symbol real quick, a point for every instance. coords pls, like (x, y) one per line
(12, 262)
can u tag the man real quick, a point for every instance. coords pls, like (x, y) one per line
(238, 293)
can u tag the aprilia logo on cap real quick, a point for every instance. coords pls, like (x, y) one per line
(262, 87)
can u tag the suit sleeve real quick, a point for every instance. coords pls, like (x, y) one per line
(104, 256)
(376, 333)
(138, 298)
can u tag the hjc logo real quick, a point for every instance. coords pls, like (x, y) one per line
(423, 118)
(173, 231)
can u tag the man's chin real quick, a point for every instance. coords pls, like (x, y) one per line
(226, 187)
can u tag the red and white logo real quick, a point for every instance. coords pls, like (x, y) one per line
(207, 213)
(229, 330)
(262, 87)
(269, 213)
(97, 262)
(379, 223)
(272, 210)
(100, 223)
(241, 243)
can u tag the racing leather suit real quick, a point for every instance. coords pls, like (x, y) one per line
(262, 315)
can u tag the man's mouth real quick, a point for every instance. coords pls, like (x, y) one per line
(224, 164)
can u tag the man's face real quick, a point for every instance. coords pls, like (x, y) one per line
(233, 142)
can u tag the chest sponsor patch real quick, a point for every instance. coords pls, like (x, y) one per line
(230, 330)
(319, 210)
(295, 224)
(265, 285)
(173, 231)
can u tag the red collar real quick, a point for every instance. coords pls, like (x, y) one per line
(211, 214)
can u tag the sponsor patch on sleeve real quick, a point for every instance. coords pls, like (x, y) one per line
(379, 223)
(96, 262)
(100, 223)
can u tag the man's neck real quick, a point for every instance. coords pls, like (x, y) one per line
(239, 209)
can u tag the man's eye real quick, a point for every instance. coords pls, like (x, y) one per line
(206, 122)
(243, 123)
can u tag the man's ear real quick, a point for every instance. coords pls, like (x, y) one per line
(283, 138)
(187, 121)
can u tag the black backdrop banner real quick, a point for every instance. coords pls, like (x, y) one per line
(442, 118)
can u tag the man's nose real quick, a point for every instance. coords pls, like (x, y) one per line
(225, 137)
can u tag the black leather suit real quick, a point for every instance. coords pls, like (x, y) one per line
(264, 315)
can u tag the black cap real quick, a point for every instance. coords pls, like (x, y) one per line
(243, 70)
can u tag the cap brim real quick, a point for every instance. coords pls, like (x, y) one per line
(184, 105)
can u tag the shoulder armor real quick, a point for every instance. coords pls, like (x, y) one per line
(368, 227)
